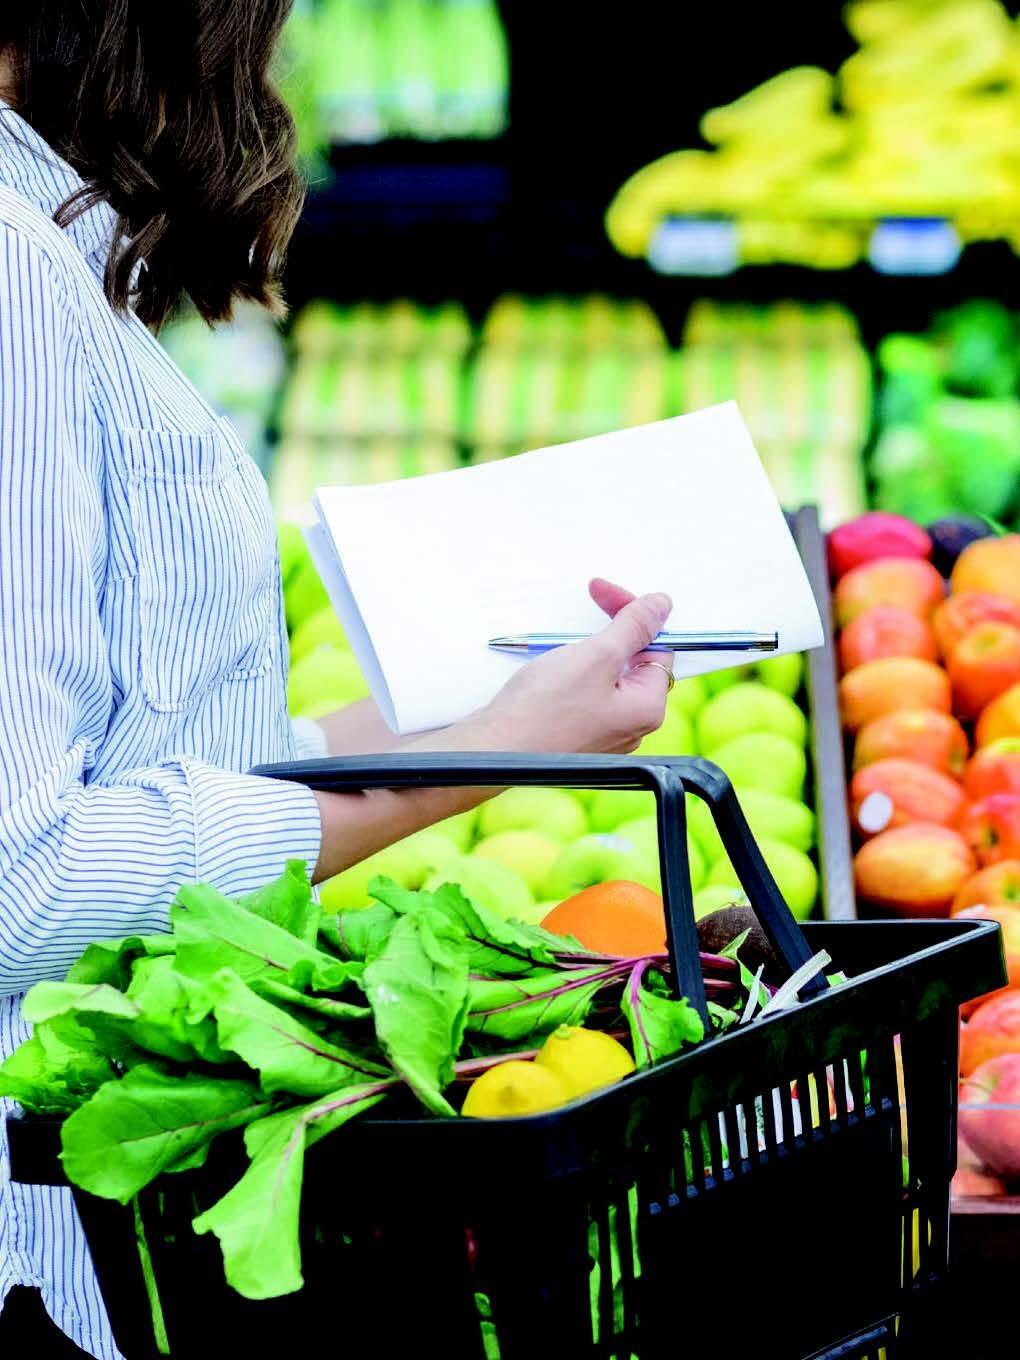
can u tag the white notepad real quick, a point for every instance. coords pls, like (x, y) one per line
(422, 572)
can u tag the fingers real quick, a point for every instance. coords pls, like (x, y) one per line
(610, 598)
(634, 627)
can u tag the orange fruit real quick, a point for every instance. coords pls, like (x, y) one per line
(618, 917)
(991, 565)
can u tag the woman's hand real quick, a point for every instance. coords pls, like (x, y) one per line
(597, 695)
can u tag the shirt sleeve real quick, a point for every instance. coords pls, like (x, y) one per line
(81, 861)
(310, 739)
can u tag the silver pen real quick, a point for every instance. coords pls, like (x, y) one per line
(527, 644)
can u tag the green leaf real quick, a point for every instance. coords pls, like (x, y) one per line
(287, 1054)
(359, 934)
(110, 961)
(287, 902)
(340, 1011)
(55, 1070)
(174, 1014)
(514, 1008)
(497, 947)
(418, 991)
(213, 933)
(133, 1129)
(721, 1016)
(747, 981)
(257, 1221)
(46, 1000)
(660, 1026)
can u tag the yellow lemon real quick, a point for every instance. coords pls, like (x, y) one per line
(514, 1088)
(584, 1059)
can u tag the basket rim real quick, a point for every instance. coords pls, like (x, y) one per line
(752, 1039)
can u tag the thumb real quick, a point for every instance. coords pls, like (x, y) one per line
(635, 626)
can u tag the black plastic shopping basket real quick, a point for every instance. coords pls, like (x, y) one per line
(781, 1190)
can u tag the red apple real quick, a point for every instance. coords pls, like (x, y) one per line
(991, 827)
(998, 885)
(886, 630)
(955, 617)
(916, 870)
(876, 534)
(993, 1029)
(1007, 917)
(1000, 719)
(990, 1114)
(993, 769)
(908, 582)
(983, 665)
(922, 734)
(894, 682)
(894, 792)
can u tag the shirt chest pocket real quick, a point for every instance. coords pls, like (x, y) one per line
(207, 563)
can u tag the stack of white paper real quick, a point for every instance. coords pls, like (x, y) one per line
(423, 572)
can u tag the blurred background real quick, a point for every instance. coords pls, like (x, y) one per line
(530, 223)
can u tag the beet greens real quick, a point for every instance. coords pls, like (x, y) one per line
(267, 1014)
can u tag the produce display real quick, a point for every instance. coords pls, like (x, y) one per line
(948, 417)
(270, 1014)
(930, 699)
(364, 70)
(921, 123)
(802, 379)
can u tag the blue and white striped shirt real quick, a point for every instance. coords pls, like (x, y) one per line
(144, 652)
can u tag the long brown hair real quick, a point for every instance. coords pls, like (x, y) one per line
(166, 110)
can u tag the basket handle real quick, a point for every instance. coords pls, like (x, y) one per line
(669, 778)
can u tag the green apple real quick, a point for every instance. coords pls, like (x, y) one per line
(322, 681)
(610, 807)
(598, 858)
(674, 738)
(584, 796)
(764, 760)
(552, 811)
(460, 829)
(528, 853)
(689, 695)
(321, 629)
(304, 594)
(715, 896)
(779, 818)
(702, 827)
(783, 673)
(717, 681)
(643, 833)
(488, 883)
(408, 862)
(749, 707)
(542, 909)
(795, 874)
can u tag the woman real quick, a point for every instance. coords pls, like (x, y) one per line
(145, 158)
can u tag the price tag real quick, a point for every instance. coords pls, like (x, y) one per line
(914, 245)
(706, 247)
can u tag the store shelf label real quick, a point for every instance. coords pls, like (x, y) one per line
(703, 246)
(914, 245)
